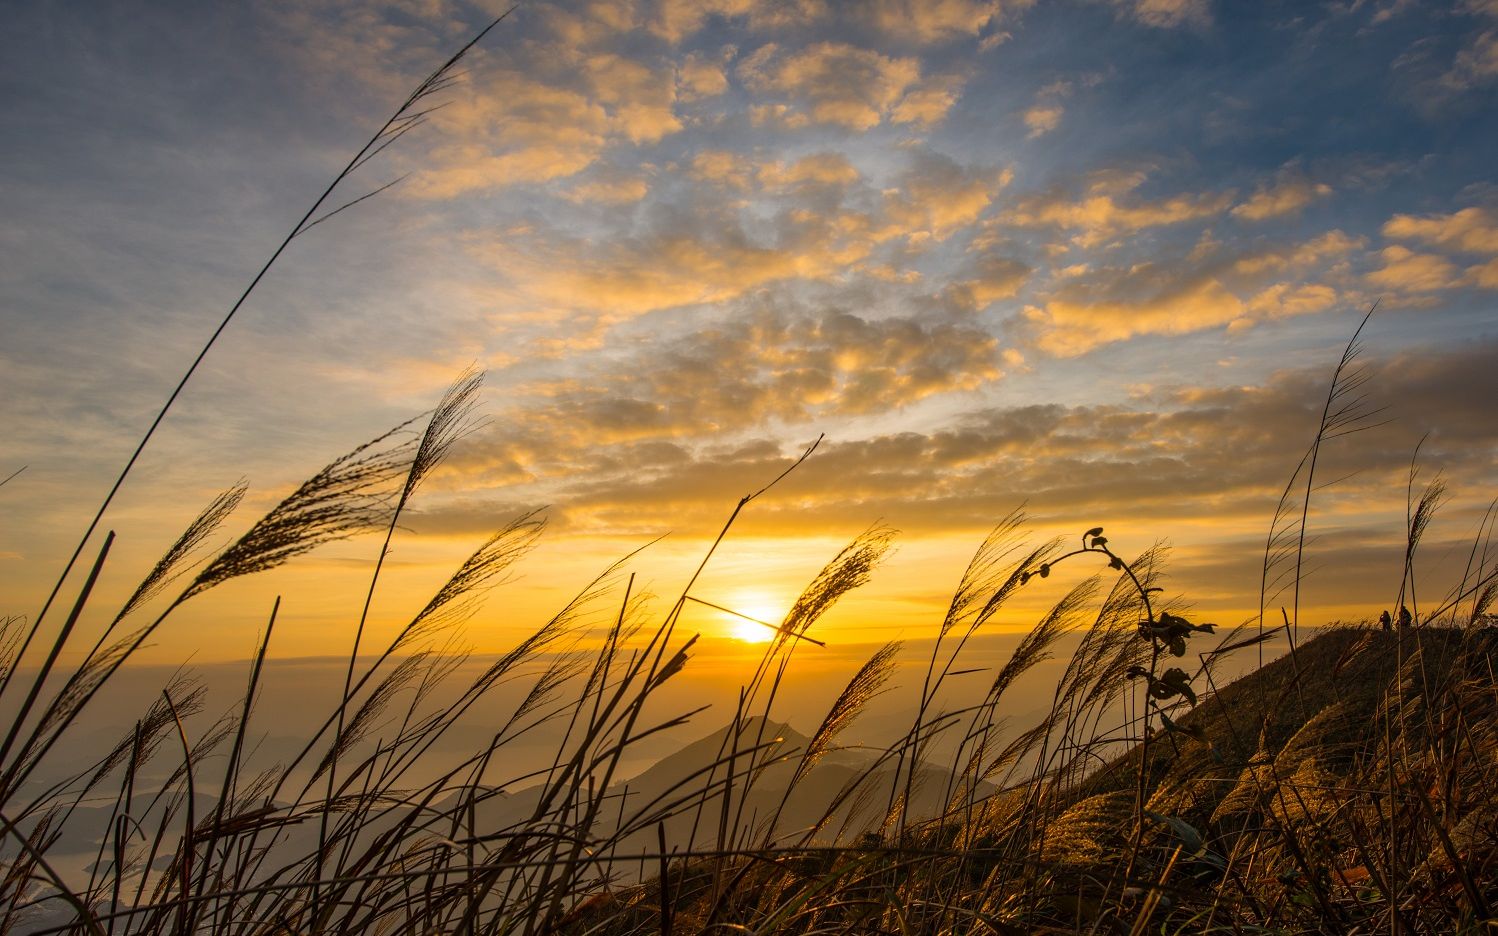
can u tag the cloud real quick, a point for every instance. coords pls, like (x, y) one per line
(1043, 118)
(1473, 230)
(694, 254)
(698, 77)
(1286, 196)
(722, 167)
(676, 20)
(1104, 305)
(532, 132)
(1283, 300)
(933, 21)
(1166, 14)
(938, 196)
(640, 96)
(513, 125)
(1045, 114)
(588, 25)
(609, 188)
(749, 224)
(1405, 271)
(1484, 275)
(1296, 256)
(1108, 210)
(820, 169)
(777, 117)
(847, 86)
(994, 278)
(1476, 64)
(785, 365)
(928, 102)
(1071, 326)
(663, 269)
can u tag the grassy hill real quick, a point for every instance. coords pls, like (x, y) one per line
(1343, 784)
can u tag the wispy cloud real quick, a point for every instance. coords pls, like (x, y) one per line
(1167, 14)
(1109, 208)
(1285, 196)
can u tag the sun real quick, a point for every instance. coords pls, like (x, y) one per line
(756, 607)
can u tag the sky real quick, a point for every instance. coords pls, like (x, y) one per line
(1092, 258)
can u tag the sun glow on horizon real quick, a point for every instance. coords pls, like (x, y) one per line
(752, 618)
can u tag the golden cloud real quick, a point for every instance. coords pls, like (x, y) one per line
(927, 103)
(938, 197)
(810, 219)
(1473, 230)
(1332, 244)
(1071, 326)
(640, 97)
(1285, 197)
(1090, 307)
(1106, 211)
(823, 169)
(835, 83)
(995, 278)
(1043, 118)
(676, 20)
(932, 21)
(698, 77)
(1283, 300)
(508, 126)
(722, 167)
(1405, 271)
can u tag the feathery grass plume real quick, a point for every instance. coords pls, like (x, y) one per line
(362, 722)
(347, 497)
(482, 570)
(848, 570)
(988, 581)
(170, 565)
(1347, 410)
(863, 687)
(10, 640)
(985, 574)
(455, 599)
(867, 683)
(1033, 649)
(450, 421)
(1482, 601)
(1417, 521)
(139, 745)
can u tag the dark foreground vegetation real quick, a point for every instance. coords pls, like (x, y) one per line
(1348, 786)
